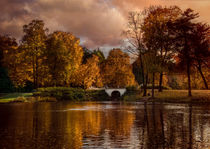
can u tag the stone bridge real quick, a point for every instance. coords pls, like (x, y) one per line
(109, 91)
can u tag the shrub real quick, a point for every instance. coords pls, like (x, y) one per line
(61, 93)
(20, 99)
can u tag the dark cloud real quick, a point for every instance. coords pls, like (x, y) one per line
(98, 23)
(93, 20)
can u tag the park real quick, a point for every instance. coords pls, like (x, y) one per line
(150, 92)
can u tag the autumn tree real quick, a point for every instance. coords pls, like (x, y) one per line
(117, 71)
(88, 74)
(137, 70)
(7, 46)
(200, 47)
(153, 62)
(33, 46)
(183, 30)
(86, 54)
(100, 54)
(64, 56)
(134, 41)
(89, 53)
(158, 36)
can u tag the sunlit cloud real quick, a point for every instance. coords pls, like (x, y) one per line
(98, 23)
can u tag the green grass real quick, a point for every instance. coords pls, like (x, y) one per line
(73, 94)
(51, 94)
(4, 98)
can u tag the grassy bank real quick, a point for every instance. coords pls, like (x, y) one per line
(11, 97)
(73, 94)
(77, 94)
(55, 94)
(198, 96)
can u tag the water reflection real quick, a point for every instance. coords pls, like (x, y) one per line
(104, 125)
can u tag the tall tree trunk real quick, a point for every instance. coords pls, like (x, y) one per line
(201, 73)
(189, 80)
(160, 82)
(37, 80)
(143, 80)
(153, 85)
(34, 76)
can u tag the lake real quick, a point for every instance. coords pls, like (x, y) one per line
(66, 125)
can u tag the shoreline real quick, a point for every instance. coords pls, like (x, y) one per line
(80, 95)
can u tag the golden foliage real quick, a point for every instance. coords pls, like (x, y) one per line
(89, 74)
(18, 71)
(64, 57)
(117, 71)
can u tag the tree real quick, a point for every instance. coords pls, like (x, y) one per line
(64, 56)
(117, 71)
(100, 54)
(134, 40)
(33, 45)
(200, 45)
(89, 74)
(157, 35)
(88, 54)
(137, 70)
(7, 44)
(153, 63)
(183, 30)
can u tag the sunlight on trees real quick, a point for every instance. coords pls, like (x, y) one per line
(88, 74)
(117, 71)
(157, 35)
(64, 56)
(164, 40)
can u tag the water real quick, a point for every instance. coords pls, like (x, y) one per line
(66, 125)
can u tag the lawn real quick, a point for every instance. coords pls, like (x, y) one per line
(4, 98)
(172, 96)
(182, 96)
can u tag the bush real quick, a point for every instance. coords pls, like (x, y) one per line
(96, 95)
(20, 99)
(74, 94)
(61, 93)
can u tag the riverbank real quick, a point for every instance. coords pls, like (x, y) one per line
(12, 97)
(52, 94)
(198, 96)
(173, 96)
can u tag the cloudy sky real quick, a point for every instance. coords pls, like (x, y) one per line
(98, 23)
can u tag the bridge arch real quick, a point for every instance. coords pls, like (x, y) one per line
(109, 91)
(115, 94)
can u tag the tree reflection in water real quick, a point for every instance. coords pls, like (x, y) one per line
(105, 125)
